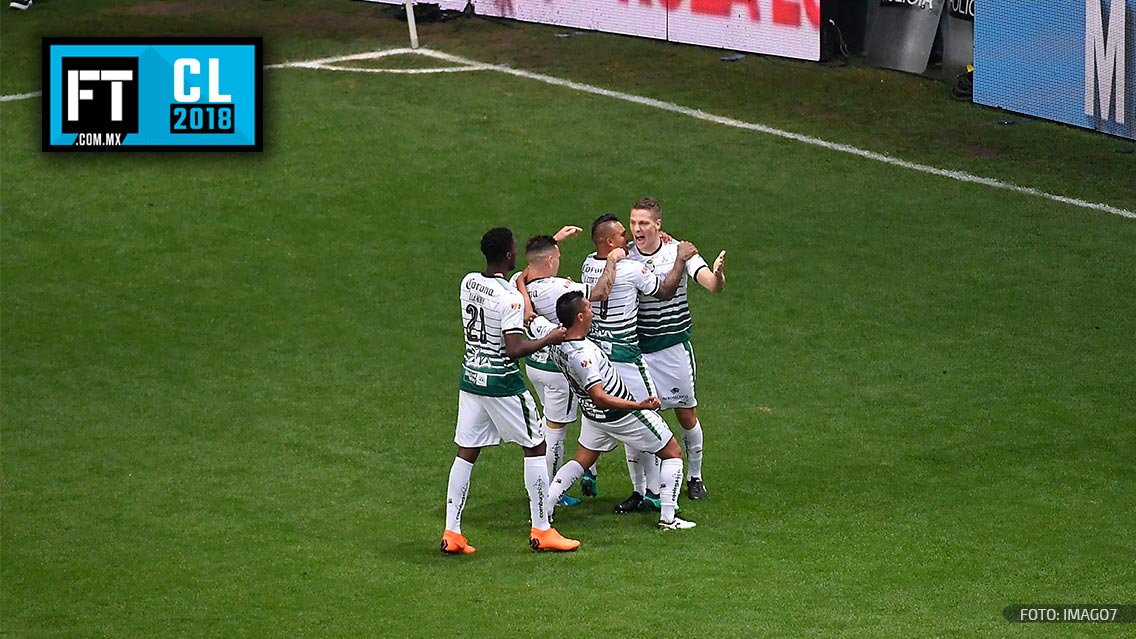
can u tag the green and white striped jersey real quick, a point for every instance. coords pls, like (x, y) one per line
(614, 320)
(491, 307)
(585, 364)
(664, 323)
(543, 293)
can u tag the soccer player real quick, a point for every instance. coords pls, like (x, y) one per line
(664, 329)
(493, 403)
(610, 414)
(540, 283)
(614, 330)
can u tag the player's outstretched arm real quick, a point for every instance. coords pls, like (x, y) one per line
(524, 289)
(516, 346)
(603, 399)
(602, 288)
(670, 285)
(567, 232)
(715, 280)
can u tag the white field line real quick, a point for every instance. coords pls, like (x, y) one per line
(330, 67)
(761, 128)
(326, 64)
(330, 64)
(19, 96)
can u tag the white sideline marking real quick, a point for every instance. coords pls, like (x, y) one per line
(328, 67)
(807, 139)
(326, 64)
(20, 96)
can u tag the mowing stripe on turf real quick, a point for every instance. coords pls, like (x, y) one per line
(325, 64)
(961, 176)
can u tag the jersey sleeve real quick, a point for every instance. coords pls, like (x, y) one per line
(695, 264)
(513, 313)
(647, 282)
(540, 327)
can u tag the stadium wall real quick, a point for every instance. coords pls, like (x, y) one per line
(787, 28)
(1072, 61)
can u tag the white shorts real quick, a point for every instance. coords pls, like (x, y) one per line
(640, 430)
(556, 398)
(488, 421)
(674, 372)
(637, 379)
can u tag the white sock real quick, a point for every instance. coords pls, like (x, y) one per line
(650, 464)
(562, 482)
(554, 440)
(456, 493)
(692, 444)
(670, 477)
(635, 470)
(536, 482)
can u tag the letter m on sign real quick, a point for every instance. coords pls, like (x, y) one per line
(1104, 59)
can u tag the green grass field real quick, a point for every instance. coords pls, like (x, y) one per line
(229, 382)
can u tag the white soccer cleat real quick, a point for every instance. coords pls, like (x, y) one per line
(20, 5)
(676, 524)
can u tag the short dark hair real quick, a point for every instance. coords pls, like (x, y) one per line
(496, 244)
(600, 221)
(568, 306)
(649, 204)
(540, 244)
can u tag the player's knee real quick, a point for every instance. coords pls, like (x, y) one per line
(671, 451)
(687, 417)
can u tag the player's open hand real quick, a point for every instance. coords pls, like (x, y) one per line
(665, 237)
(720, 262)
(651, 403)
(556, 335)
(617, 254)
(686, 250)
(567, 232)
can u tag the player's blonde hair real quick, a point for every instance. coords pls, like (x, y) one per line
(649, 204)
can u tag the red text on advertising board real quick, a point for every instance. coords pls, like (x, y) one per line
(785, 12)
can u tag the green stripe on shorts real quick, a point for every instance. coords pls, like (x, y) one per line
(646, 422)
(525, 413)
(651, 390)
(693, 366)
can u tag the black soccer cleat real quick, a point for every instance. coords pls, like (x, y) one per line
(589, 484)
(629, 505)
(695, 489)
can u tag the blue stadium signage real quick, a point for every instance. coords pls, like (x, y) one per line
(1073, 62)
(152, 94)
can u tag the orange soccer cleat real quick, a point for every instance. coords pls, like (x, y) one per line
(454, 544)
(551, 540)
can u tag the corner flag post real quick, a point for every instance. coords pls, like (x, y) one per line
(410, 24)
